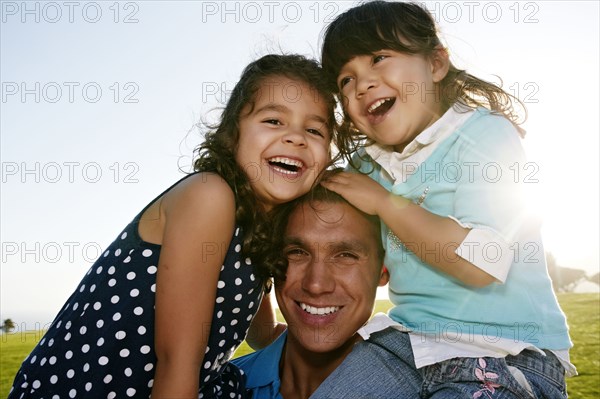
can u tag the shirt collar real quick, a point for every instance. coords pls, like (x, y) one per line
(451, 119)
(267, 360)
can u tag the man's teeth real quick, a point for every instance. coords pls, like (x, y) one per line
(377, 104)
(319, 311)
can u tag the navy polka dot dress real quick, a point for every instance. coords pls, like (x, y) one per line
(101, 344)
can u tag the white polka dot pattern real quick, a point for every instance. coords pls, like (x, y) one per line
(102, 341)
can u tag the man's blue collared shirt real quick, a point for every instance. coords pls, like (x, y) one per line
(262, 370)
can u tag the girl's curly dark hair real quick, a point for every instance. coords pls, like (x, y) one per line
(217, 152)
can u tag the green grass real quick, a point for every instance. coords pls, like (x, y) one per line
(583, 316)
(583, 312)
(13, 349)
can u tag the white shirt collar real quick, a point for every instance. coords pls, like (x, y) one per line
(446, 124)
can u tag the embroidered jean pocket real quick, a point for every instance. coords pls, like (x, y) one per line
(474, 378)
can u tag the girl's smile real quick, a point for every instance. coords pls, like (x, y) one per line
(284, 140)
(391, 96)
(286, 166)
(377, 111)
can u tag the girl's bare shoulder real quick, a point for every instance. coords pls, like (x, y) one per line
(203, 191)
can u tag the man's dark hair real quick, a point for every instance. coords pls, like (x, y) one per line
(318, 194)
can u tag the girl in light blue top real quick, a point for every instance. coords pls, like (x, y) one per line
(441, 163)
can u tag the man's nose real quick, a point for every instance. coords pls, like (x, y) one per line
(318, 278)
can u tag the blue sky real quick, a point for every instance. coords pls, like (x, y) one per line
(99, 102)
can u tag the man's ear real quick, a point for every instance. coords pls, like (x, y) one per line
(384, 278)
(440, 63)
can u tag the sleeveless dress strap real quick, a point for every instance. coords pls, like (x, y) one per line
(139, 215)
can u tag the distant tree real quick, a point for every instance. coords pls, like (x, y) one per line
(595, 278)
(564, 279)
(7, 325)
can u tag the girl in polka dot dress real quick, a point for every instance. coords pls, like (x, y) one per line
(162, 310)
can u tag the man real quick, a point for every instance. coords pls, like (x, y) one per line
(335, 264)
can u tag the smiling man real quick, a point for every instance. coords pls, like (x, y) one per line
(335, 264)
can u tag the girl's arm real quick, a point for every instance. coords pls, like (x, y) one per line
(199, 222)
(264, 327)
(412, 223)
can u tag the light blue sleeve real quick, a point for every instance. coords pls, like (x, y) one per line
(490, 198)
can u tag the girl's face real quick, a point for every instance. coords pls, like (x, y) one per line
(391, 96)
(284, 140)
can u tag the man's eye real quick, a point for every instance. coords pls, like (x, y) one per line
(348, 255)
(345, 259)
(295, 253)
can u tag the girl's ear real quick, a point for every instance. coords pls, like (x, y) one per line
(440, 63)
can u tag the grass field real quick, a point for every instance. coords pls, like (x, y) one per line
(583, 312)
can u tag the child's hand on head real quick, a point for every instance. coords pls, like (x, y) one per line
(358, 189)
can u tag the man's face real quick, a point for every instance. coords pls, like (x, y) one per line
(333, 274)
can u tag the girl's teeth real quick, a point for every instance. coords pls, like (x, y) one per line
(377, 104)
(319, 311)
(285, 171)
(286, 166)
(287, 161)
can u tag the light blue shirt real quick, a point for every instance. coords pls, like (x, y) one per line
(472, 177)
(262, 370)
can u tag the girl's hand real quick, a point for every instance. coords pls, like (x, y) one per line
(360, 190)
(411, 224)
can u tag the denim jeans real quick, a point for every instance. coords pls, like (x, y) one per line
(528, 375)
(383, 368)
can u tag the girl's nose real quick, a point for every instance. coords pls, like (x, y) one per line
(295, 136)
(365, 83)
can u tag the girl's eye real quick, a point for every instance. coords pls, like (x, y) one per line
(272, 121)
(315, 132)
(377, 58)
(344, 81)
